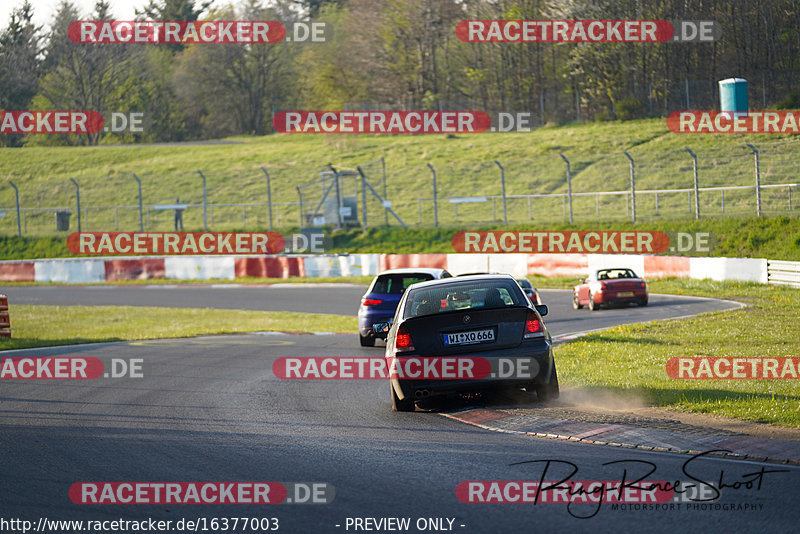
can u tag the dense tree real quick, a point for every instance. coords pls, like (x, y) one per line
(19, 64)
(397, 54)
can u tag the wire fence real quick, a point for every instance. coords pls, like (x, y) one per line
(736, 179)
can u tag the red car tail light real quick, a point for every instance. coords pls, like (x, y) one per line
(602, 286)
(644, 285)
(402, 342)
(533, 327)
(370, 302)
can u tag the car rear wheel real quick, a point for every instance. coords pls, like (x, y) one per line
(643, 302)
(592, 305)
(366, 341)
(576, 304)
(405, 405)
(549, 391)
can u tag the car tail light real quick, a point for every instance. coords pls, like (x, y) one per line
(644, 285)
(402, 341)
(602, 286)
(370, 302)
(533, 327)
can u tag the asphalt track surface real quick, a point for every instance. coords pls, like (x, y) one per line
(210, 409)
(338, 300)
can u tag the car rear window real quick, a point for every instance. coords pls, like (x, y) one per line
(396, 284)
(472, 295)
(611, 274)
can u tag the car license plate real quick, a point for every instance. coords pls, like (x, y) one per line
(469, 338)
(625, 294)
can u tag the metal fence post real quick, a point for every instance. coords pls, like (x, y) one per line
(385, 211)
(758, 180)
(364, 200)
(300, 207)
(696, 184)
(78, 201)
(338, 196)
(139, 184)
(569, 186)
(269, 198)
(503, 185)
(19, 222)
(435, 207)
(633, 186)
(205, 203)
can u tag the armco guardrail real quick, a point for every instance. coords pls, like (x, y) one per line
(783, 272)
(5, 317)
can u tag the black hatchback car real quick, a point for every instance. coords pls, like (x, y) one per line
(483, 318)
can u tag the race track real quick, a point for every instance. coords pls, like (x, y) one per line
(339, 300)
(210, 409)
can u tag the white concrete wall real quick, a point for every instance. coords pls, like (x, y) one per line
(199, 267)
(71, 270)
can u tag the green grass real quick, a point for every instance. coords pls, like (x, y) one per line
(464, 163)
(40, 326)
(774, 237)
(631, 359)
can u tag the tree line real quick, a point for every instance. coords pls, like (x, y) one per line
(391, 54)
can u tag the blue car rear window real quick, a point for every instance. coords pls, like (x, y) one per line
(396, 284)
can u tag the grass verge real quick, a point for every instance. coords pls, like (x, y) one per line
(41, 326)
(631, 359)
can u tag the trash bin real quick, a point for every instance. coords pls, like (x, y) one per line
(62, 220)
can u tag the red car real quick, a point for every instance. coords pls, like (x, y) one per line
(610, 286)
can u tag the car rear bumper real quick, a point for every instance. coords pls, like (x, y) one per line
(365, 323)
(540, 364)
(615, 298)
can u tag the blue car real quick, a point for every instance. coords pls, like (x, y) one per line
(379, 303)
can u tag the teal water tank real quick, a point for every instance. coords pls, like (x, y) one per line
(733, 95)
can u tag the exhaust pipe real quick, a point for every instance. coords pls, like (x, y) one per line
(422, 393)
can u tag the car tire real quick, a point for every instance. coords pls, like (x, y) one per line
(405, 405)
(643, 302)
(592, 305)
(576, 305)
(366, 341)
(550, 391)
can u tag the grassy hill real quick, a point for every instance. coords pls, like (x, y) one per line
(464, 164)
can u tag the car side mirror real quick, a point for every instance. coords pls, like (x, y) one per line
(380, 328)
(542, 309)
